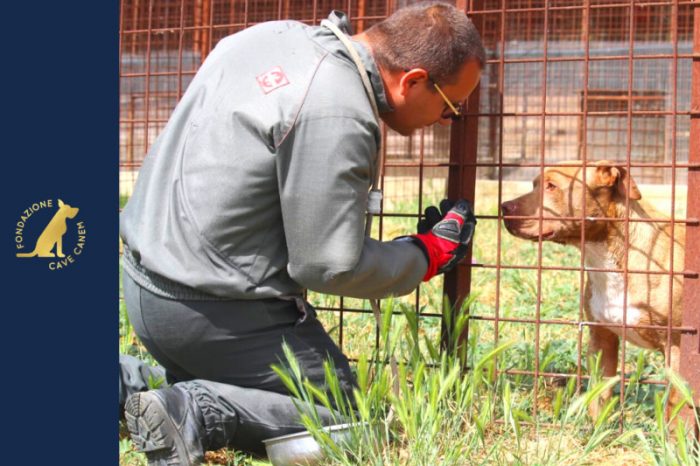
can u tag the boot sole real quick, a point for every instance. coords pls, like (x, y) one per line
(153, 432)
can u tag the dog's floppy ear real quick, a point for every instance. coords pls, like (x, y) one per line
(614, 176)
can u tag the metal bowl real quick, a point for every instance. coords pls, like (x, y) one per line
(301, 448)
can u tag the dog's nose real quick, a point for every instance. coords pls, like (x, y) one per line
(508, 208)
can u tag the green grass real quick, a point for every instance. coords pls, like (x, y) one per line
(484, 416)
(443, 415)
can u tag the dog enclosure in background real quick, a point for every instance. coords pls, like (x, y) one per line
(565, 79)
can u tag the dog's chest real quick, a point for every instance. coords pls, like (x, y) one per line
(607, 302)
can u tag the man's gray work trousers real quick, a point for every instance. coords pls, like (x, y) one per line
(221, 353)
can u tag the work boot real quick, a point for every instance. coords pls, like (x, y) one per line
(167, 426)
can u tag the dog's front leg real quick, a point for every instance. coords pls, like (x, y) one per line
(674, 397)
(608, 344)
(59, 246)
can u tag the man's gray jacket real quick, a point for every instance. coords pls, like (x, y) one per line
(258, 185)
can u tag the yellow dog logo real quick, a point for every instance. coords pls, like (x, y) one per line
(53, 233)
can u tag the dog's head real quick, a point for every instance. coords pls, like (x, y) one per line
(68, 211)
(562, 192)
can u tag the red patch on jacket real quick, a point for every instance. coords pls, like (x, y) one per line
(273, 79)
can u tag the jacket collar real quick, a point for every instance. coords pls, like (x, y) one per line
(331, 42)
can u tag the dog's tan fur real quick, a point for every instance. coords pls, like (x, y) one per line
(649, 298)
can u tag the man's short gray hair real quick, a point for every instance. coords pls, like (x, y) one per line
(432, 35)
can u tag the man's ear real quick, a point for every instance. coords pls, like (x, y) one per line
(412, 77)
(614, 176)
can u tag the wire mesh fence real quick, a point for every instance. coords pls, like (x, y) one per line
(585, 81)
(565, 80)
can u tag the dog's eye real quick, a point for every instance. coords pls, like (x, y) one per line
(549, 186)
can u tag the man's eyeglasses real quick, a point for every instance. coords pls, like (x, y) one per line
(453, 111)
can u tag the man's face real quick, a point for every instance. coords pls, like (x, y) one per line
(417, 103)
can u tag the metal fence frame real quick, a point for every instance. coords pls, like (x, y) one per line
(464, 156)
(203, 22)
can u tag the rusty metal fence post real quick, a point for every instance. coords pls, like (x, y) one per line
(462, 184)
(690, 343)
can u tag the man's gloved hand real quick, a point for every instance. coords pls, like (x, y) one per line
(433, 216)
(444, 242)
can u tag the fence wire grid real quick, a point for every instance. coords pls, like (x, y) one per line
(565, 80)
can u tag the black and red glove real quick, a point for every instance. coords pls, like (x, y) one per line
(432, 215)
(445, 242)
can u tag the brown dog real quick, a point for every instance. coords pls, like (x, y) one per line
(605, 193)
